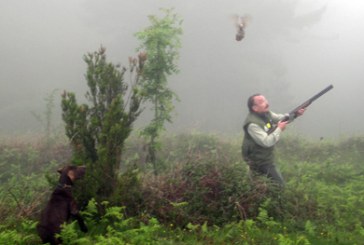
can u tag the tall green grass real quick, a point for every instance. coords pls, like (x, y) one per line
(202, 194)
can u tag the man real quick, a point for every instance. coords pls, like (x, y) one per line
(260, 136)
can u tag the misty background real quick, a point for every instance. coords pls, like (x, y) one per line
(292, 49)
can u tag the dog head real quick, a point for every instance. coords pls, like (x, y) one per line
(71, 173)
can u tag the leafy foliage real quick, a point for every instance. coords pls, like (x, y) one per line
(98, 130)
(203, 195)
(161, 41)
(25, 234)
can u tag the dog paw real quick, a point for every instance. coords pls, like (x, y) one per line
(84, 229)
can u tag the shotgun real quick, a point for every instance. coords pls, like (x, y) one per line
(293, 113)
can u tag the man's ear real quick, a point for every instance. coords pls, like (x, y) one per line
(254, 108)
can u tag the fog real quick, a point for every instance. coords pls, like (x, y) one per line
(292, 49)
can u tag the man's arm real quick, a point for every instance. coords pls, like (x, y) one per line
(278, 117)
(261, 137)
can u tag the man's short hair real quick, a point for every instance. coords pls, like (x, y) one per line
(251, 101)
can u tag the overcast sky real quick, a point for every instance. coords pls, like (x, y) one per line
(292, 50)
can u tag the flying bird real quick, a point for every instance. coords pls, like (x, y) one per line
(240, 24)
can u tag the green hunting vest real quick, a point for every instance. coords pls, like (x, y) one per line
(253, 153)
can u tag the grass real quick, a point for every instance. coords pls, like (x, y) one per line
(202, 194)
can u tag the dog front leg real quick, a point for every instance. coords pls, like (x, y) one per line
(76, 214)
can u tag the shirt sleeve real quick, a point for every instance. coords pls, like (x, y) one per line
(278, 117)
(261, 137)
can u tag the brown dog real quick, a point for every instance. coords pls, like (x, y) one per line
(61, 206)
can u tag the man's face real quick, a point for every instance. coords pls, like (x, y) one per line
(261, 104)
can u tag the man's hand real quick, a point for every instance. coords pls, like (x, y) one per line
(282, 124)
(300, 112)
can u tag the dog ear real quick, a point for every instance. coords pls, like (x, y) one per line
(82, 168)
(60, 170)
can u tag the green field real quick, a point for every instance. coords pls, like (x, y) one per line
(201, 194)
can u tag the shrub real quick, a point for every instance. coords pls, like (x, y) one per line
(204, 183)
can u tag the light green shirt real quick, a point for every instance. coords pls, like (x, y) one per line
(261, 137)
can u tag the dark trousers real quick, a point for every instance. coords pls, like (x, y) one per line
(270, 171)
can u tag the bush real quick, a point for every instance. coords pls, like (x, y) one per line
(206, 181)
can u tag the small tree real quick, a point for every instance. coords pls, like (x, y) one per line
(46, 118)
(98, 130)
(161, 41)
